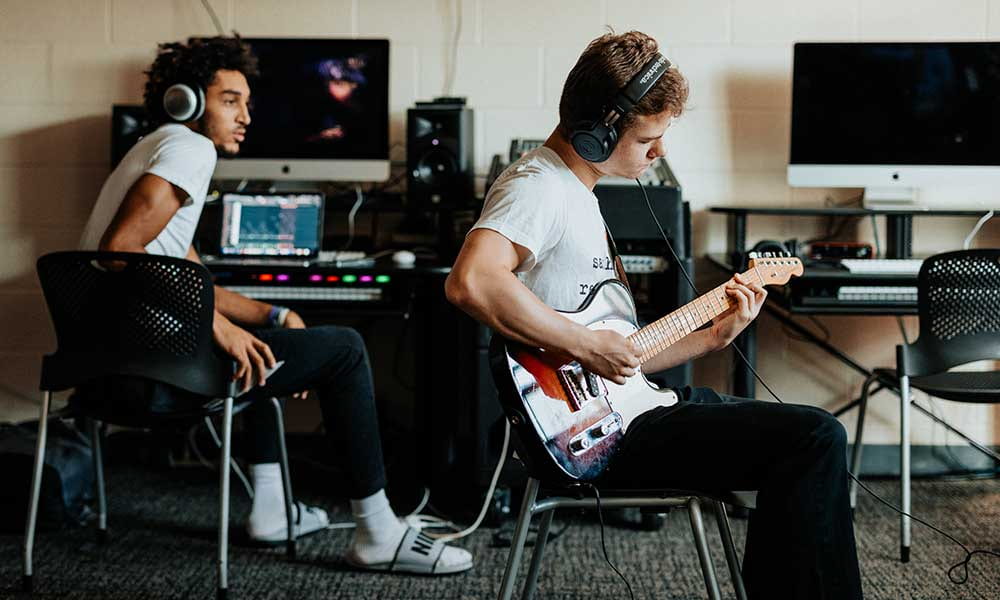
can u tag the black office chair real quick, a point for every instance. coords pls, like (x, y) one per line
(959, 311)
(147, 318)
(544, 500)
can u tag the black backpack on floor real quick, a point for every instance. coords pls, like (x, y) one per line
(67, 476)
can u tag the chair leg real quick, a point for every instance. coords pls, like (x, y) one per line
(286, 478)
(859, 432)
(707, 568)
(531, 580)
(223, 559)
(732, 560)
(517, 540)
(36, 486)
(102, 503)
(904, 467)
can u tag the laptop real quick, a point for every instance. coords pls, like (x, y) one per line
(284, 228)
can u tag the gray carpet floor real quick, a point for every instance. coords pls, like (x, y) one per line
(163, 546)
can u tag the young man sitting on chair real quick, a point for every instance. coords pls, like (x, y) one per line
(152, 202)
(540, 245)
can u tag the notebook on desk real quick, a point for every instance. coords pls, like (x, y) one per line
(270, 229)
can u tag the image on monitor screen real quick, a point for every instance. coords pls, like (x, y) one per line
(319, 110)
(271, 224)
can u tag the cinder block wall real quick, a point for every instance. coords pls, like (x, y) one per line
(64, 62)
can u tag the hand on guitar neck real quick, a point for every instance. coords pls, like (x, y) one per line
(748, 297)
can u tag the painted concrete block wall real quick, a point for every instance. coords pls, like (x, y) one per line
(64, 62)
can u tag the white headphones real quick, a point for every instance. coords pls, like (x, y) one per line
(184, 102)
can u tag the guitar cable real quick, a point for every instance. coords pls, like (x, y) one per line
(963, 564)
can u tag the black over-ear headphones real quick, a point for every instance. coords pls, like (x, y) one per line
(595, 140)
(184, 102)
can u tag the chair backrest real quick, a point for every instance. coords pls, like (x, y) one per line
(959, 305)
(130, 314)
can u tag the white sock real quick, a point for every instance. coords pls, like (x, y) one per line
(379, 532)
(268, 511)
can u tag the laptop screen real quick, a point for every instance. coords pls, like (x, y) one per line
(272, 224)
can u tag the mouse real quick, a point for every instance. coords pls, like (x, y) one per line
(404, 257)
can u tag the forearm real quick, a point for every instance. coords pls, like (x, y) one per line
(241, 309)
(233, 306)
(697, 344)
(502, 302)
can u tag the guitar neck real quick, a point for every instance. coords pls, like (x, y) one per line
(665, 331)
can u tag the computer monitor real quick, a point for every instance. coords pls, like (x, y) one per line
(271, 224)
(320, 112)
(895, 118)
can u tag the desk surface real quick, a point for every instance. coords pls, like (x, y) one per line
(381, 265)
(843, 212)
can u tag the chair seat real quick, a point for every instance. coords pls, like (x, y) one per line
(743, 499)
(137, 402)
(962, 386)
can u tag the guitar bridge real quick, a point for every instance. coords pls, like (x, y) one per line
(580, 386)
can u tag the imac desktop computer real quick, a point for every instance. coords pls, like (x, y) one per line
(916, 124)
(319, 110)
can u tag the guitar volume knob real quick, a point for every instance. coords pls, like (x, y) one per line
(580, 444)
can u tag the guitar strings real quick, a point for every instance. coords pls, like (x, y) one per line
(964, 563)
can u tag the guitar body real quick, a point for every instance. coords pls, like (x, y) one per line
(570, 422)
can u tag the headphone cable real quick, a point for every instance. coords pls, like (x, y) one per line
(964, 563)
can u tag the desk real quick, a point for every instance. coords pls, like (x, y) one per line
(899, 230)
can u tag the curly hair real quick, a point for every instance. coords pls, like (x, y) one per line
(604, 68)
(195, 62)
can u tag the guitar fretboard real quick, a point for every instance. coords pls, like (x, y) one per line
(665, 331)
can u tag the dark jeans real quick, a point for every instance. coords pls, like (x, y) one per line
(333, 361)
(800, 541)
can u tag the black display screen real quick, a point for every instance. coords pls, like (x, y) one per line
(319, 99)
(896, 104)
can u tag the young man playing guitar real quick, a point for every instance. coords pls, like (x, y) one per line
(540, 247)
(199, 93)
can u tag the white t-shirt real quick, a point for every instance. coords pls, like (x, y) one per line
(175, 153)
(540, 204)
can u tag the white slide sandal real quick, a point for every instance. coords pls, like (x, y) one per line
(308, 519)
(417, 553)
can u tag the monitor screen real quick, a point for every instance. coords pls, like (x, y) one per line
(320, 111)
(896, 104)
(272, 224)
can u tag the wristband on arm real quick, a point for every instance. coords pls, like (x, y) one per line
(277, 315)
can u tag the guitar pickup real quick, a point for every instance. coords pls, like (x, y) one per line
(580, 386)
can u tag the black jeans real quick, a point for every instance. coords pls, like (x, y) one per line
(800, 541)
(333, 361)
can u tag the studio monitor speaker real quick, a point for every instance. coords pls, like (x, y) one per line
(439, 155)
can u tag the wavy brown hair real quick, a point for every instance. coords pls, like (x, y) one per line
(194, 62)
(604, 68)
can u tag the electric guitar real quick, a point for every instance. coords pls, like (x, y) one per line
(571, 421)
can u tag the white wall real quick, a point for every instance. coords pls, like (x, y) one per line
(64, 62)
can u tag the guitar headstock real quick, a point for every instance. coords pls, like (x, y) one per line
(773, 269)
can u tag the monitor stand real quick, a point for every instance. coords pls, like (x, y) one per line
(891, 198)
